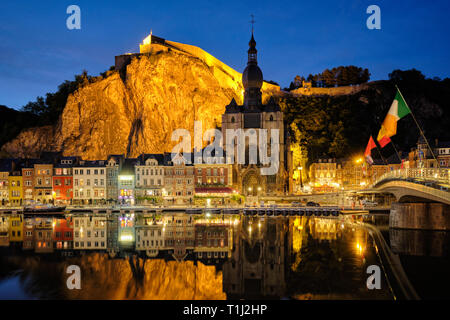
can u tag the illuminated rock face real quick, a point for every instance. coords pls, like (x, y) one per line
(162, 92)
(130, 278)
(104, 278)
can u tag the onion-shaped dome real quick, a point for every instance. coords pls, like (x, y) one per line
(252, 77)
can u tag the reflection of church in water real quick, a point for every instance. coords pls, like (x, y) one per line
(253, 114)
(259, 259)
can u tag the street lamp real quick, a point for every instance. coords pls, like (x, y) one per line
(357, 161)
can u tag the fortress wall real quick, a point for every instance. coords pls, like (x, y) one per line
(336, 91)
(220, 69)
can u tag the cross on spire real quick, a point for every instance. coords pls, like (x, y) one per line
(252, 21)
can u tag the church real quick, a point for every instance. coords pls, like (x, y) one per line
(253, 114)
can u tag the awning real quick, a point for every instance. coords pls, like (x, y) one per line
(213, 190)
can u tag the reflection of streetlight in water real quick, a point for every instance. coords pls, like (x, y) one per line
(359, 248)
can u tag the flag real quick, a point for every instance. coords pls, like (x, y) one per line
(398, 110)
(368, 153)
(384, 138)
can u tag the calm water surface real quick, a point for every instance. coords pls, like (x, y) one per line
(180, 256)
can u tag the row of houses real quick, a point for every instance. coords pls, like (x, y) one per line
(177, 235)
(327, 174)
(149, 178)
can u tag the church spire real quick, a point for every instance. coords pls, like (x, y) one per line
(252, 78)
(252, 52)
(252, 45)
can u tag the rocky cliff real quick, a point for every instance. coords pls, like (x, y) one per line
(162, 92)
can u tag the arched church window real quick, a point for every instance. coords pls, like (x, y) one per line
(232, 119)
(271, 117)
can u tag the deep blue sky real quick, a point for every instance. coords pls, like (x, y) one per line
(38, 52)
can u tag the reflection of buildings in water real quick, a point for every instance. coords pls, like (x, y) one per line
(63, 233)
(29, 233)
(420, 242)
(43, 230)
(16, 228)
(126, 231)
(150, 235)
(257, 264)
(112, 233)
(325, 229)
(4, 231)
(89, 232)
(213, 242)
(179, 235)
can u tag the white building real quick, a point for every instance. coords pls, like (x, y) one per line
(150, 238)
(149, 172)
(89, 232)
(89, 182)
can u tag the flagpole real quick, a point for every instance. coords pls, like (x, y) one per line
(379, 152)
(398, 155)
(420, 129)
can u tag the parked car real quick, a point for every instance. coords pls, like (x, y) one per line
(312, 204)
(369, 203)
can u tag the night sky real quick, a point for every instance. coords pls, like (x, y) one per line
(38, 52)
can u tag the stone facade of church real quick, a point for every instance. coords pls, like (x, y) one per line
(254, 115)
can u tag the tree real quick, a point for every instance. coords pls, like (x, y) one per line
(411, 75)
(49, 109)
(328, 78)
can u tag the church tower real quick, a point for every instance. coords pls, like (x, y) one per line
(252, 79)
(251, 116)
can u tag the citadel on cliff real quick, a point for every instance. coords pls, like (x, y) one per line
(251, 114)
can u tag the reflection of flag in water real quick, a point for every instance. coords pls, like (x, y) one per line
(368, 153)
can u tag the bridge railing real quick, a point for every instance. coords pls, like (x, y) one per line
(425, 174)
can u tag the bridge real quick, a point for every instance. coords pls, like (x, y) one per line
(409, 185)
(423, 197)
